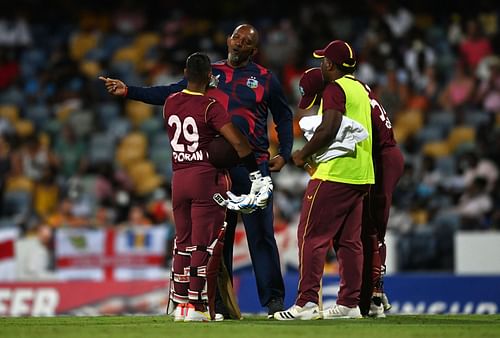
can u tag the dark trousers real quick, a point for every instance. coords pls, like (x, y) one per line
(389, 167)
(331, 211)
(261, 242)
(197, 222)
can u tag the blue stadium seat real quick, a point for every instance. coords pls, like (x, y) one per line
(82, 122)
(17, 202)
(446, 218)
(161, 155)
(39, 114)
(107, 113)
(430, 133)
(102, 148)
(119, 128)
(162, 159)
(446, 164)
(476, 118)
(162, 141)
(151, 127)
(445, 120)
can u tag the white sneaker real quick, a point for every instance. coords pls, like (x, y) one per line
(340, 311)
(219, 317)
(180, 312)
(197, 316)
(385, 302)
(376, 311)
(309, 311)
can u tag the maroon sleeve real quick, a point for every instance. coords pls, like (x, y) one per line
(216, 115)
(383, 135)
(334, 98)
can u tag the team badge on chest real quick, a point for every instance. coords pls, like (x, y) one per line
(252, 82)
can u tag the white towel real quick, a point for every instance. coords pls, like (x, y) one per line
(350, 132)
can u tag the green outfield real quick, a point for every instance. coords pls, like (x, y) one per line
(152, 327)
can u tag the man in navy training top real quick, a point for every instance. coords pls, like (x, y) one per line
(248, 91)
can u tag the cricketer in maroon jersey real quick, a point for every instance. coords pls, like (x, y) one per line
(192, 120)
(388, 162)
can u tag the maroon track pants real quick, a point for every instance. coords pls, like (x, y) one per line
(198, 220)
(389, 167)
(331, 211)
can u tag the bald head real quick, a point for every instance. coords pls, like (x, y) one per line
(249, 30)
(242, 45)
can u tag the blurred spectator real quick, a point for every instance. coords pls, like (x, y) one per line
(475, 46)
(474, 167)
(406, 188)
(46, 193)
(280, 45)
(159, 208)
(32, 159)
(4, 163)
(137, 216)
(455, 31)
(33, 255)
(9, 68)
(82, 200)
(65, 217)
(14, 32)
(474, 205)
(5, 127)
(399, 20)
(488, 95)
(430, 86)
(103, 217)
(431, 176)
(71, 153)
(394, 91)
(418, 59)
(459, 91)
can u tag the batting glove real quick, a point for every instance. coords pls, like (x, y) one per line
(243, 203)
(262, 188)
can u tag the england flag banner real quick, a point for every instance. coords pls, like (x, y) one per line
(111, 254)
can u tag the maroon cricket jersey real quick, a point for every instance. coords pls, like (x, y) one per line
(192, 120)
(383, 135)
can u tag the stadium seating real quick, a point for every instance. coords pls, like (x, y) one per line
(132, 148)
(459, 135)
(101, 149)
(24, 128)
(436, 149)
(57, 84)
(9, 112)
(138, 112)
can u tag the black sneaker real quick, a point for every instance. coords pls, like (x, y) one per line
(274, 305)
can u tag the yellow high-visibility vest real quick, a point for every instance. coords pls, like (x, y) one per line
(357, 167)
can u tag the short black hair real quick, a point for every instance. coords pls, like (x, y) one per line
(198, 67)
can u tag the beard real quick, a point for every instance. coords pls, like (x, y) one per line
(239, 58)
(234, 58)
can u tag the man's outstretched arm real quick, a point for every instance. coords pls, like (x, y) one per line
(152, 95)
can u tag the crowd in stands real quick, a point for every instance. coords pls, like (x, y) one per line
(73, 156)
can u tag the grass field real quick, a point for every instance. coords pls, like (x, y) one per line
(156, 326)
